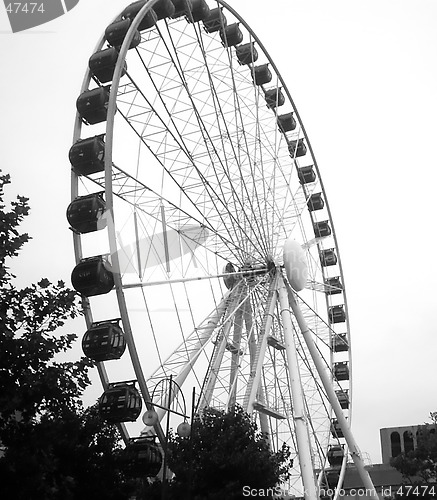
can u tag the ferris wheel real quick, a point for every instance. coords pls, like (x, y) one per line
(203, 236)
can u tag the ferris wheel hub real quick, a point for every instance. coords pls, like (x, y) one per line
(295, 264)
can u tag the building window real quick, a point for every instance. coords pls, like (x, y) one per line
(408, 441)
(395, 440)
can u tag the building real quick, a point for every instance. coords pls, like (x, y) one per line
(387, 480)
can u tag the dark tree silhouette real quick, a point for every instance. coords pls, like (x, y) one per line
(51, 447)
(224, 453)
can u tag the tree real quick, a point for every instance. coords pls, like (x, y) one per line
(419, 466)
(52, 447)
(224, 453)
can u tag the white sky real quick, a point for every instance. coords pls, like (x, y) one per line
(363, 77)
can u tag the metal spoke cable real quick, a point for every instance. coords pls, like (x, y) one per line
(209, 140)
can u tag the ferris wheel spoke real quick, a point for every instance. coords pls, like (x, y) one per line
(208, 140)
(216, 199)
(256, 215)
(203, 127)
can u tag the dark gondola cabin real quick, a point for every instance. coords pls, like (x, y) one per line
(328, 257)
(341, 371)
(274, 98)
(102, 64)
(92, 277)
(199, 11)
(334, 285)
(87, 156)
(104, 341)
(182, 8)
(149, 20)
(343, 398)
(231, 35)
(337, 314)
(306, 174)
(339, 342)
(215, 20)
(164, 8)
(297, 148)
(261, 74)
(286, 122)
(116, 32)
(121, 402)
(246, 53)
(322, 229)
(336, 430)
(142, 457)
(315, 202)
(85, 213)
(92, 105)
(335, 455)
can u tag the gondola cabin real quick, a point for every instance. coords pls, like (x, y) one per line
(92, 105)
(274, 98)
(231, 35)
(339, 342)
(199, 11)
(297, 148)
(333, 285)
(85, 213)
(261, 74)
(322, 229)
(336, 430)
(87, 156)
(335, 455)
(337, 314)
(92, 277)
(215, 20)
(286, 122)
(182, 8)
(328, 257)
(315, 202)
(121, 402)
(164, 8)
(102, 64)
(104, 341)
(149, 20)
(246, 53)
(343, 398)
(142, 457)
(341, 371)
(306, 175)
(116, 32)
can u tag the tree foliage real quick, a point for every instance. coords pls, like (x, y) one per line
(52, 447)
(224, 453)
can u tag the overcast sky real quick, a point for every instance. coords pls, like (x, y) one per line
(363, 77)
